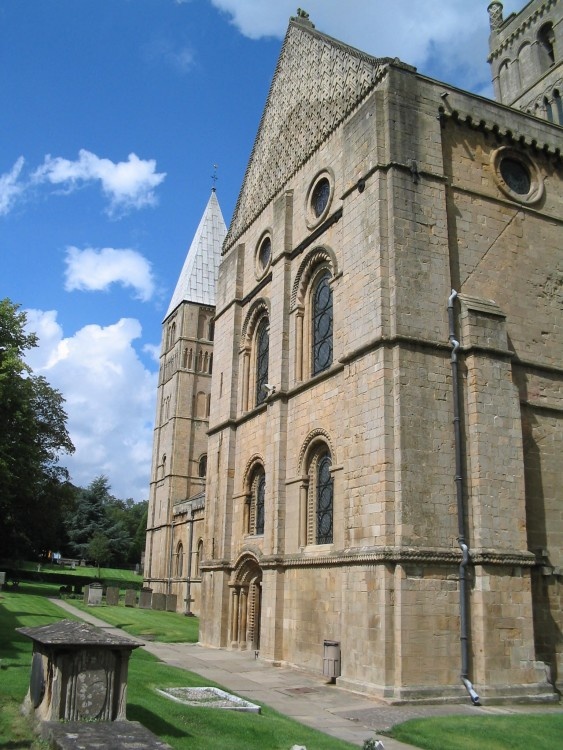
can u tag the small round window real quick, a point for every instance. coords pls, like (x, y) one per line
(263, 255)
(319, 198)
(265, 252)
(516, 175)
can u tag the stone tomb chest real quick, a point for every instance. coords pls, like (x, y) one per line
(78, 672)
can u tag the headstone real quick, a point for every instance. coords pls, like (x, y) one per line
(137, 569)
(95, 592)
(78, 673)
(86, 593)
(171, 600)
(145, 598)
(2, 579)
(83, 563)
(112, 596)
(130, 598)
(159, 602)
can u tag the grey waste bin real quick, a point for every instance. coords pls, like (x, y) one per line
(331, 659)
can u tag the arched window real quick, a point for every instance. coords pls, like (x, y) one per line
(255, 503)
(211, 330)
(199, 558)
(546, 39)
(322, 323)
(324, 499)
(548, 109)
(262, 356)
(179, 559)
(316, 504)
(202, 466)
(558, 106)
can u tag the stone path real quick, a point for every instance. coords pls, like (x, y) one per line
(306, 698)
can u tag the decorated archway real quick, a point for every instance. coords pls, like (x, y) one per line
(246, 603)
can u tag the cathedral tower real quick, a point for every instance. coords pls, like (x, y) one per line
(179, 463)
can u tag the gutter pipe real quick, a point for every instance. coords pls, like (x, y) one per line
(464, 637)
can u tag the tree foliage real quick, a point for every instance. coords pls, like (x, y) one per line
(33, 486)
(99, 515)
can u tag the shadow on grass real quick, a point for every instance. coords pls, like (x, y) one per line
(15, 745)
(155, 723)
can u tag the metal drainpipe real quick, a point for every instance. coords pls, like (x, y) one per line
(464, 638)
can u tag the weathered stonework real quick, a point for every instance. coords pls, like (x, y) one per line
(427, 189)
(417, 206)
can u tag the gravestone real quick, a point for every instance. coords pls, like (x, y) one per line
(145, 598)
(171, 600)
(112, 596)
(95, 592)
(79, 672)
(130, 598)
(86, 593)
(2, 580)
(159, 602)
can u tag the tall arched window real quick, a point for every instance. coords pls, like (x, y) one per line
(322, 323)
(179, 559)
(256, 503)
(546, 39)
(324, 499)
(316, 503)
(202, 466)
(199, 558)
(262, 357)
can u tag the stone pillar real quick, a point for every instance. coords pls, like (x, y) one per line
(299, 346)
(234, 616)
(245, 378)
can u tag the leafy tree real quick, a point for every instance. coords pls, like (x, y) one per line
(33, 487)
(92, 517)
(99, 550)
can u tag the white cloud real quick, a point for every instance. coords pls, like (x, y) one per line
(110, 398)
(444, 39)
(127, 184)
(178, 57)
(95, 270)
(10, 188)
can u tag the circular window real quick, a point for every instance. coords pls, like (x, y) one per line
(319, 198)
(263, 256)
(265, 252)
(516, 175)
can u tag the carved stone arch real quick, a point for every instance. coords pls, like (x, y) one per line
(246, 602)
(251, 464)
(317, 257)
(257, 311)
(310, 444)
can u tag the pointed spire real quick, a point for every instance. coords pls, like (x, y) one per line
(199, 274)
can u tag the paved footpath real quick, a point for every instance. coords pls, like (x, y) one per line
(304, 697)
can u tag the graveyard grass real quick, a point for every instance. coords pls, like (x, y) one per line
(184, 728)
(193, 728)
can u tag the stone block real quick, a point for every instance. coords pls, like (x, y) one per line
(159, 601)
(112, 596)
(171, 601)
(145, 599)
(95, 592)
(130, 598)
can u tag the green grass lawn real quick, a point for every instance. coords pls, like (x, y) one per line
(516, 732)
(184, 728)
(166, 627)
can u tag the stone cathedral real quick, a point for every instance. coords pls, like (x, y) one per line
(359, 427)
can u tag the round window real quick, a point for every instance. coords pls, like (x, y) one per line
(320, 196)
(265, 252)
(516, 175)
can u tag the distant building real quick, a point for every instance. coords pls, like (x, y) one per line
(353, 493)
(179, 467)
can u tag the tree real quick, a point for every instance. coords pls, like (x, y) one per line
(98, 550)
(92, 518)
(33, 486)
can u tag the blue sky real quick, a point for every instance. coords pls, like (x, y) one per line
(114, 115)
